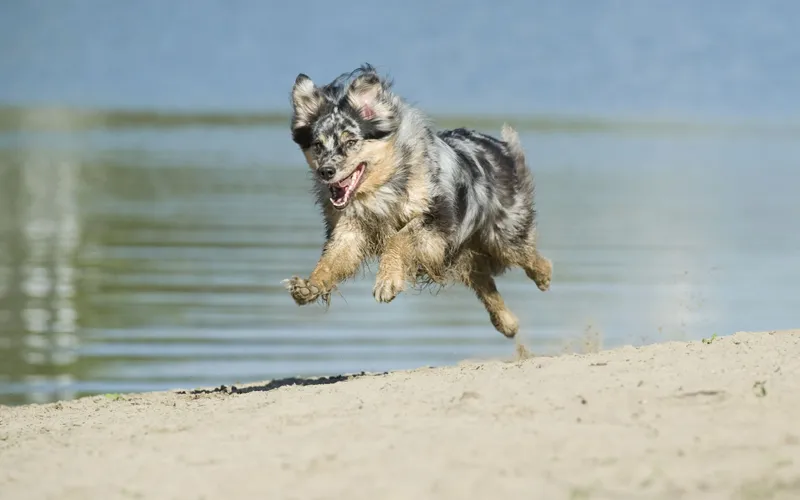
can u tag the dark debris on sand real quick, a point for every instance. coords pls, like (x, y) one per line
(277, 384)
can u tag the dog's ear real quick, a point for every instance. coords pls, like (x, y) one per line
(368, 94)
(307, 100)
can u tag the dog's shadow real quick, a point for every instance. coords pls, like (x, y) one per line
(278, 383)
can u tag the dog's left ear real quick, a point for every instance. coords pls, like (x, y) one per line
(367, 94)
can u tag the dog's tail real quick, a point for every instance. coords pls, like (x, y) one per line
(524, 174)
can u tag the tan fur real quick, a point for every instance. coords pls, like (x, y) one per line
(418, 191)
(540, 270)
(380, 159)
(396, 265)
(485, 288)
(342, 257)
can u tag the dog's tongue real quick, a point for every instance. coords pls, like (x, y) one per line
(344, 182)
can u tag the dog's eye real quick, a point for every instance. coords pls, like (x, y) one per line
(317, 148)
(350, 143)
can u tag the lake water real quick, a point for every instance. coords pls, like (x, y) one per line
(144, 249)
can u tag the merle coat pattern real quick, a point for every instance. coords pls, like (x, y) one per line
(433, 207)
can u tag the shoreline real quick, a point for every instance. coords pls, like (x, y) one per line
(702, 419)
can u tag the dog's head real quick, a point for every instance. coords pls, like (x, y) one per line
(345, 130)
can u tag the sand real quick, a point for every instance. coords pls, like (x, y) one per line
(717, 419)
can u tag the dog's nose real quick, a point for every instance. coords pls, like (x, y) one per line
(327, 173)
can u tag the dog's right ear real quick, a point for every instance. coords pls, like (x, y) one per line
(307, 100)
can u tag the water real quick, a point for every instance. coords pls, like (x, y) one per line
(143, 251)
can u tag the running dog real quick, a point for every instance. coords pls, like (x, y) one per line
(436, 207)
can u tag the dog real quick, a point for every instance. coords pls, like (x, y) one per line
(435, 207)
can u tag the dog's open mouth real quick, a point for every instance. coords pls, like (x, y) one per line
(342, 191)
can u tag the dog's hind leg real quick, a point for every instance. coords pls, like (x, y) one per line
(482, 283)
(539, 269)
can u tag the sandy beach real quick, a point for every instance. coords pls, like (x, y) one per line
(718, 418)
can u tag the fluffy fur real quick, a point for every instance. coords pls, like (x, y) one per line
(434, 207)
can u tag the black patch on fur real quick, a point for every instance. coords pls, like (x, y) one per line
(303, 137)
(328, 228)
(372, 132)
(441, 215)
(461, 202)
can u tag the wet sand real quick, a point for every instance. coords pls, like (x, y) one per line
(713, 419)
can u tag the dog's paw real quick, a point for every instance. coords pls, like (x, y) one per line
(505, 322)
(541, 273)
(302, 291)
(545, 275)
(386, 288)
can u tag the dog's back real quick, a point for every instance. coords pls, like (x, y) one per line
(484, 191)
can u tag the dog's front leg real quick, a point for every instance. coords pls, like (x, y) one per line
(394, 267)
(341, 257)
(409, 247)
